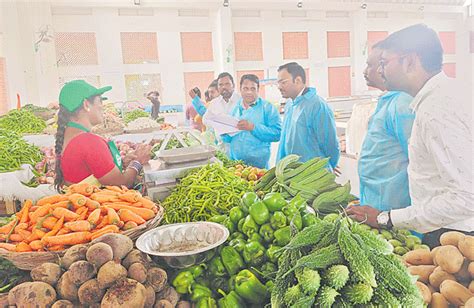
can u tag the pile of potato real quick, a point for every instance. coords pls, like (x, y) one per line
(107, 273)
(446, 273)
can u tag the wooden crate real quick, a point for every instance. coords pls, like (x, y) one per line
(9, 207)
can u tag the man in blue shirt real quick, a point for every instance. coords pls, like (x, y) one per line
(309, 129)
(384, 156)
(212, 93)
(259, 122)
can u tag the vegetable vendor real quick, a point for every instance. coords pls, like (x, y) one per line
(211, 93)
(83, 156)
(383, 159)
(259, 122)
(309, 128)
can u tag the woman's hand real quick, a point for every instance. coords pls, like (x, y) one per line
(143, 153)
(128, 158)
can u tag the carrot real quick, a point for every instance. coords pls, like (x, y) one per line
(84, 214)
(137, 204)
(66, 204)
(147, 203)
(102, 198)
(117, 203)
(40, 212)
(21, 226)
(82, 188)
(109, 192)
(68, 239)
(68, 215)
(8, 227)
(105, 230)
(49, 222)
(77, 200)
(114, 188)
(24, 234)
(129, 197)
(34, 208)
(26, 210)
(56, 248)
(113, 217)
(59, 224)
(142, 212)
(102, 223)
(127, 215)
(130, 225)
(63, 230)
(94, 217)
(9, 247)
(36, 245)
(15, 237)
(51, 199)
(92, 204)
(37, 234)
(79, 225)
(23, 247)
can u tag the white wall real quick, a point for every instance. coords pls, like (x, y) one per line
(35, 76)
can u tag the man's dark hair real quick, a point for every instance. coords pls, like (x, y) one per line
(418, 39)
(197, 91)
(213, 84)
(252, 78)
(295, 70)
(206, 95)
(225, 74)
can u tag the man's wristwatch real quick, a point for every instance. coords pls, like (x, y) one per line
(384, 220)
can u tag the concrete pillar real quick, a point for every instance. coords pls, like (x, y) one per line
(318, 52)
(224, 41)
(359, 51)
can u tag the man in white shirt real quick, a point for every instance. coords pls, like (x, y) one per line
(440, 150)
(228, 98)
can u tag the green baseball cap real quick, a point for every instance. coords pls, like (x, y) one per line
(75, 92)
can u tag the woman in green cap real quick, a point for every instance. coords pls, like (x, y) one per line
(83, 156)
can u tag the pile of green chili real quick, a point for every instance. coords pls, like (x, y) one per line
(15, 151)
(203, 193)
(22, 122)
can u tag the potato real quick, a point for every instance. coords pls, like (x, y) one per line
(32, 294)
(163, 304)
(450, 238)
(466, 247)
(109, 273)
(73, 254)
(138, 272)
(469, 303)
(99, 254)
(4, 300)
(121, 244)
(438, 301)
(433, 254)
(432, 290)
(136, 256)
(66, 288)
(81, 271)
(422, 271)
(63, 303)
(90, 292)
(125, 293)
(463, 275)
(471, 286)
(455, 292)
(157, 278)
(425, 292)
(418, 257)
(450, 259)
(183, 304)
(168, 293)
(47, 272)
(150, 296)
(438, 276)
(470, 269)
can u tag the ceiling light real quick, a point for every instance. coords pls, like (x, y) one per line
(226, 3)
(363, 6)
(136, 2)
(300, 4)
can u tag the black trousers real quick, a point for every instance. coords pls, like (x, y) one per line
(432, 238)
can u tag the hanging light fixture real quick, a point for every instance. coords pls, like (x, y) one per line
(226, 3)
(136, 2)
(299, 4)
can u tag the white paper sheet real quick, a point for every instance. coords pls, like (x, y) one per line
(222, 123)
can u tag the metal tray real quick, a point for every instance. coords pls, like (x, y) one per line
(182, 155)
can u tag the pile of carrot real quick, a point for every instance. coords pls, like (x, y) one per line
(83, 214)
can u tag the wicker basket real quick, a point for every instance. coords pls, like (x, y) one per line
(29, 260)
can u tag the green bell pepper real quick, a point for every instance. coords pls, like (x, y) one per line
(309, 219)
(247, 200)
(259, 212)
(238, 244)
(206, 302)
(231, 283)
(232, 260)
(250, 288)
(197, 270)
(268, 269)
(270, 285)
(278, 220)
(273, 253)
(283, 236)
(231, 300)
(256, 237)
(199, 291)
(297, 221)
(219, 283)
(240, 225)
(266, 231)
(218, 218)
(290, 211)
(299, 202)
(254, 253)
(236, 214)
(274, 201)
(229, 225)
(250, 226)
(235, 235)
(216, 267)
(183, 282)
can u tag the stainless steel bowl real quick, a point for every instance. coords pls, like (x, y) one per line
(183, 245)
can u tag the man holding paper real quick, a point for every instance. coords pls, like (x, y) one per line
(259, 125)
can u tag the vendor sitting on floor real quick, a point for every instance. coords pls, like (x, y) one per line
(83, 156)
(259, 125)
